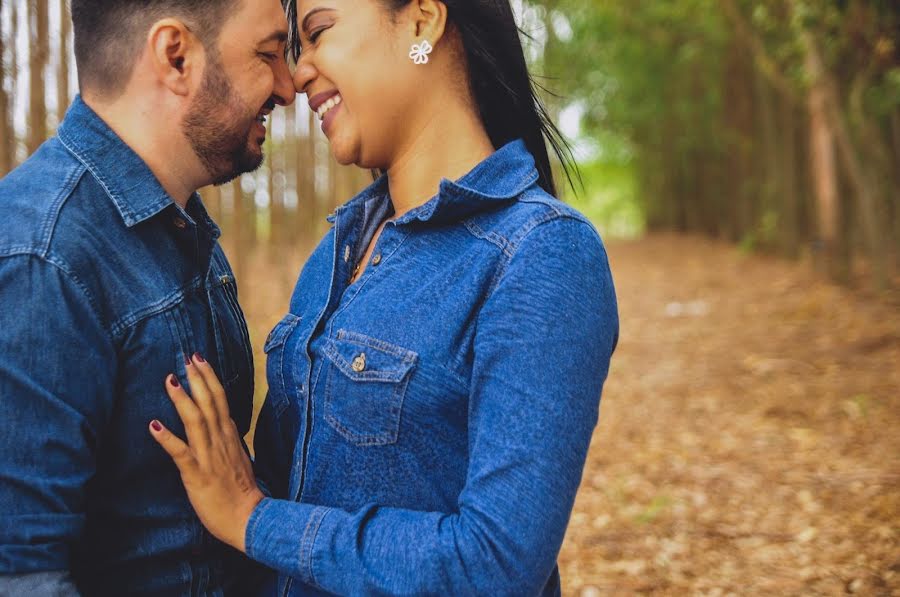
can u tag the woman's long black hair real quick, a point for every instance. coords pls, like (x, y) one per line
(498, 75)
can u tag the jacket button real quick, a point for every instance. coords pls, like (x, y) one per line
(346, 253)
(377, 259)
(359, 363)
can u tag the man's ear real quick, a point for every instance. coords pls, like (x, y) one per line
(176, 55)
(429, 20)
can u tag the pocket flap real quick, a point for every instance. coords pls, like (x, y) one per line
(362, 358)
(280, 332)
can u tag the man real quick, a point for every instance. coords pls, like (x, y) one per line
(110, 277)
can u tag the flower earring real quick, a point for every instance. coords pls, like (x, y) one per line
(419, 52)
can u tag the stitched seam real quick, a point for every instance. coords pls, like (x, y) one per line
(254, 522)
(76, 281)
(375, 343)
(65, 191)
(491, 237)
(324, 512)
(520, 236)
(172, 299)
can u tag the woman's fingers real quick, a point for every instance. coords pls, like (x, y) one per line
(217, 397)
(174, 447)
(195, 424)
(201, 391)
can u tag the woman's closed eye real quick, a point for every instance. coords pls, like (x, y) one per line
(314, 35)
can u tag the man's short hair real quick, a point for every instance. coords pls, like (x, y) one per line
(109, 34)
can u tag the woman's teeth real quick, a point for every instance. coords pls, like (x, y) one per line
(324, 108)
(261, 119)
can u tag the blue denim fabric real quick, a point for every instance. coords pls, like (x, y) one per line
(426, 427)
(105, 285)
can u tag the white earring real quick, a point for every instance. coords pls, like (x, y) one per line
(419, 52)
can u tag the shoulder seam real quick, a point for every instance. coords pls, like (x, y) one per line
(527, 229)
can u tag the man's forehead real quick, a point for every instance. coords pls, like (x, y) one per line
(261, 20)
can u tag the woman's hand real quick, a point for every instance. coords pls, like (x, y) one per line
(214, 467)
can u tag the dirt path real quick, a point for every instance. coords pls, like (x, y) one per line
(749, 437)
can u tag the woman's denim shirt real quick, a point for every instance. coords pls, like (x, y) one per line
(426, 426)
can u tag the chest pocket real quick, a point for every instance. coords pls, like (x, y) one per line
(365, 387)
(277, 372)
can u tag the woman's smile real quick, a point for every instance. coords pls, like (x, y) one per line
(326, 105)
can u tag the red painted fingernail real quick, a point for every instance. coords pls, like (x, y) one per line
(187, 360)
(199, 358)
(174, 381)
(156, 425)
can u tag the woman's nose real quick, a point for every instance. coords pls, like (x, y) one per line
(304, 74)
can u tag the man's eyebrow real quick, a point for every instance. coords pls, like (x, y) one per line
(279, 36)
(305, 25)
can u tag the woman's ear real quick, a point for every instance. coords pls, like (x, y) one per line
(176, 55)
(429, 20)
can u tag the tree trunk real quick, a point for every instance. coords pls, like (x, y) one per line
(770, 179)
(39, 51)
(62, 78)
(789, 232)
(212, 200)
(290, 163)
(12, 142)
(309, 166)
(238, 227)
(5, 125)
(895, 203)
(822, 166)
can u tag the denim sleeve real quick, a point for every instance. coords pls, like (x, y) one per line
(39, 584)
(542, 350)
(57, 366)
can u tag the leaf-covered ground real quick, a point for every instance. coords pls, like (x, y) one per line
(749, 436)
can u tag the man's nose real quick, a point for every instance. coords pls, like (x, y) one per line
(283, 90)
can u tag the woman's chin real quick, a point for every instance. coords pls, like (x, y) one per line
(344, 153)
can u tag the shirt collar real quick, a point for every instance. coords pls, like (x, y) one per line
(127, 179)
(502, 176)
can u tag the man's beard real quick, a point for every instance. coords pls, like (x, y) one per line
(218, 127)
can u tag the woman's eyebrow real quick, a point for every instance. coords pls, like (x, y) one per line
(305, 25)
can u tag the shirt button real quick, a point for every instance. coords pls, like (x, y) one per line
(346, 253)
(180, 223)
(377, 259)
(359, 363)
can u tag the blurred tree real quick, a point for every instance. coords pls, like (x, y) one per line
(773, 123)
(62, 76)
(6, 134)
(38, 53)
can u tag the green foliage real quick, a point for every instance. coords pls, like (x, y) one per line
(609, 198)
(711, 99)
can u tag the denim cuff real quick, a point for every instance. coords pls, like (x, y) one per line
(282, 535)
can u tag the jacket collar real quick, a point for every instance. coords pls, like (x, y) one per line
(127, 179)
(501, 177)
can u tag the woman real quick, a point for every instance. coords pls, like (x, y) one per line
(434, 387)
